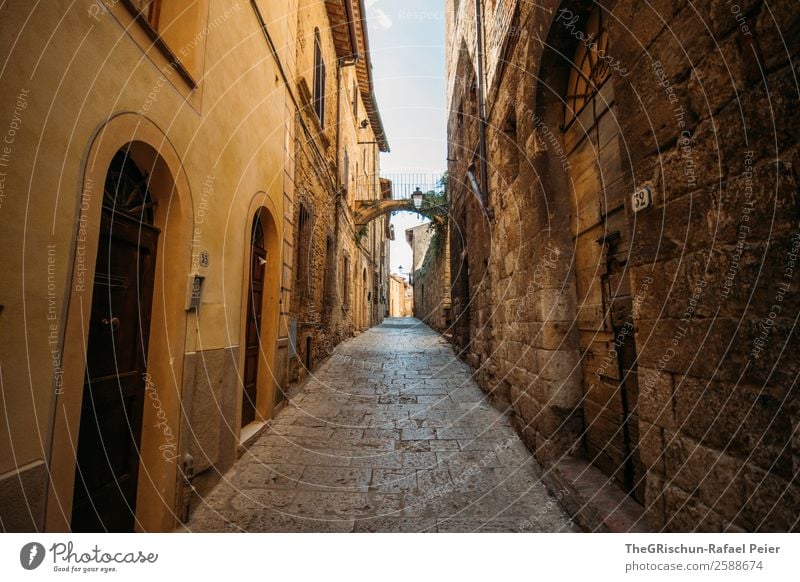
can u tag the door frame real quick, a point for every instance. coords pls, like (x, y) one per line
(169, 185)
(262, 205)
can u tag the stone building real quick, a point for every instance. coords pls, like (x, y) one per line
(430, 245)
(624, 239)
(163, 182)
(399, 291)
(340, 267)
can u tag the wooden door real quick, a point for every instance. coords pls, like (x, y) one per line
(116, 369)
(607, 338)
(255, 300)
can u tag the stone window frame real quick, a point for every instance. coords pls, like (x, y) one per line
(153, 9)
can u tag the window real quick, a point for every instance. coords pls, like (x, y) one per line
(330, 267)
(319, 80)
(258, 233)
(126, 188)
(150, 9)
(303, 277)
(590, 68)
(346, 281)
(346, 172)
(355, 100)
(174, 27)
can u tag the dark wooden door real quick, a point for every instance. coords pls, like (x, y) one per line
(255, 297)
(115, 380)
(617, 295)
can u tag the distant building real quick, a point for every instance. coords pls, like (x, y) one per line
(431, 274)
(401, 297)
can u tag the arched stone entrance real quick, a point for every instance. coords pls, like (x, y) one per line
(582, 175)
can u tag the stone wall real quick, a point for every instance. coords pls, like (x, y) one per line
(705, 107)
(432, 282)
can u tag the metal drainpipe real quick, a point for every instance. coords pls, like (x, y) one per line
(481, 105)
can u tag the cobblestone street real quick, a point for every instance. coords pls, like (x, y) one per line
(390, 434)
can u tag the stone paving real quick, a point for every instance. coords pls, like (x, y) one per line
(390, 434)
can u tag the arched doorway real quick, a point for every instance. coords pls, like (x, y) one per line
(106, 475)
(255, 303)
(260, 322)
(132, 145)
(598, 228)
(365, 297)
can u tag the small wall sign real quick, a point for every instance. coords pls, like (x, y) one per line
(642, 199)
(194, 292)
(204, 259)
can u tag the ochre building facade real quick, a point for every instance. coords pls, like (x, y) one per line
(164, 162)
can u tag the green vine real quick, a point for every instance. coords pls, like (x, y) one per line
(436, 204)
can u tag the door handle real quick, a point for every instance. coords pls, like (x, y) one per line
(113, 323)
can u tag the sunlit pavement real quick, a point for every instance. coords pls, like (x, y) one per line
(390, 434)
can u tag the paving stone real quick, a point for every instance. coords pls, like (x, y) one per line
(416, 460)
(396, 525)
(335, 478)
(394, 480)
(408, 445)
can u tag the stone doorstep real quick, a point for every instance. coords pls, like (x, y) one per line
(250, 434)
(593, 503)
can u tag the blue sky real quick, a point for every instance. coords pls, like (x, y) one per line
(407, 40)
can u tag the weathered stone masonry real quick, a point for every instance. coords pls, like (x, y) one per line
(336, 164)
(691, 302)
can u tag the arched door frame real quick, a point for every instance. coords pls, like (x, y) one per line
(262, 206)
(558, 83)
(364, 301)
(169, 185)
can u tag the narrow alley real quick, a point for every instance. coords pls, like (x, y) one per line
(390, 434)
(399, 266)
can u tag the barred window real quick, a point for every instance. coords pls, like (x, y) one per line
(346, 281)
(304, 242)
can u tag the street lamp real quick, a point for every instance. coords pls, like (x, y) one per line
(417, 197)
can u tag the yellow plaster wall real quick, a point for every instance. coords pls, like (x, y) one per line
(78, 67)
